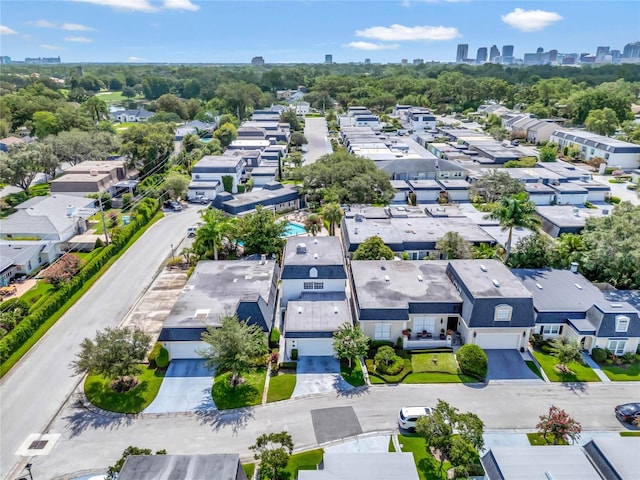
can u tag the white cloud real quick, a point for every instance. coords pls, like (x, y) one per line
(76, 27)
(530, 20)
(136, 5)
(78, 39)
(396, 33)
(135, 59)
(181, 5)
(6, 30)
(50, 47)
(371, 46)
(44, 24)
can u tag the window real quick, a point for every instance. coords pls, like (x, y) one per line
(424, 323)
(313, 286)
(313, 273)
(502, 313)
(551, 329)
(617, 346)
(383, 331)
(622, 323)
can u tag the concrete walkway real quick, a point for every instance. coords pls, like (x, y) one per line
(316, 375)
(596, 368)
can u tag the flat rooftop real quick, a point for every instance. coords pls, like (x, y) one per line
(408, 282)
(565, 215)
(489, 279)
(316, 316)
(259, 195)
(313, 251)
(216, 287)
(217, 161)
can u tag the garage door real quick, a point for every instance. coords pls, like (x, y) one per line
(310, 347)
(493, 341)
(184, 349)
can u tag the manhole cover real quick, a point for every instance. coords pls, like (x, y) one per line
(38, 444)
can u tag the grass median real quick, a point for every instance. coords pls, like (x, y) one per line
(247, 394)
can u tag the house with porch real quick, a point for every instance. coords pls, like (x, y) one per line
(567, 304)
(246, 288)
(442, 303)
(313, 294)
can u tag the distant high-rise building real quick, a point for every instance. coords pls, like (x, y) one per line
(462, 53)
(602, 51)
(587, 58)
(404, 61)
(493, 53)
(553, 55)
(418, 61)
(367, 61)
(257, 61)
(79, 71)
(540, 50)
(631, 50)
(507, 51)
(4, 60)
(328, 58)
(481, 56)
(42, 60)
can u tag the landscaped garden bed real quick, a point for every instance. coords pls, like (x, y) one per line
(352, 374)
(428, 466)
(619, 368)
(551, 366)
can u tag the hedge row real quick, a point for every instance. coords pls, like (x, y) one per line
(30, 324)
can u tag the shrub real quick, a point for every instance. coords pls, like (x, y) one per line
(472, 360)
(384, 356)
(162, 360)
(175, 262)
(536, 340)
(153, 354)
(614, 200)
(393, 368)
(274, 338)
(628, 357)
(399, 343)
(294, 354)
(599, 354)
(127, 199)
(376, 344)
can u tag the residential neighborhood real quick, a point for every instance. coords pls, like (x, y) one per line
(317, 271)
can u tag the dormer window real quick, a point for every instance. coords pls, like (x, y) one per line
(502, 313)
(622, 323)
(313, 272)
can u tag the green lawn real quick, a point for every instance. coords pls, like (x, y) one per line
(438, 378)
(353, 375)
(622, 373)
(249, 468)
(533, 367)
(428, 466)
(579, 373)
(245, 395)
(99, 393)
(111, 97)
(630, 434)
(302, 461)
(392, 447)
(281, 387)
(36, 293)
(388, 378)
(435, 362)
(536, 439)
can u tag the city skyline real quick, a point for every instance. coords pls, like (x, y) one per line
(191, 31)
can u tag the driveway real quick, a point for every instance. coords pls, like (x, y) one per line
(186, 388)
(508, 365)
(318, 375)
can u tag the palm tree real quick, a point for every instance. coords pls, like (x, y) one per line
(514, 211)
(215, 231)
(568, 248)
(313, 224)
(484, 250)
(332, 213)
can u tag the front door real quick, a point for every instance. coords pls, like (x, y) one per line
(452, 324)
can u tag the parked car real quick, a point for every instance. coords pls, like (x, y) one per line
(202, 199)
(629, 413)
(173, 205)
(408, 417)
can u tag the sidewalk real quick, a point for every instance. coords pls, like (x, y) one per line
(596, 368)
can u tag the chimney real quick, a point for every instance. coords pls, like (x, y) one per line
(576, 212)
(574, 267)
(263, 259)
(70, 210)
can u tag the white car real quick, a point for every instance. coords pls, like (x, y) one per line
(408, 417)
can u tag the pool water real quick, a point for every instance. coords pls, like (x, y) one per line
(293, 229)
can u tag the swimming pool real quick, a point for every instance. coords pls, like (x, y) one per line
(293, 229)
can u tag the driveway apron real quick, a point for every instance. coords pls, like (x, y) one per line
(318, 375)
(508, 365)
(186, 388)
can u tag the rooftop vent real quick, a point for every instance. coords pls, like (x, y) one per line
(263, 259)
(605, 211)
(315, 255)
(386, 278)
(201, 314)
(335, 310)
(420, 278)
(188, 287)
(299, 310)
(70, 210)
(538, 286)
(315, 241)
(355, 230)
(358, 217)
(574, 267)
(616, 305)
(483, 268)
(578, 286)
(301, 248)
(496, 283)
(576, 212)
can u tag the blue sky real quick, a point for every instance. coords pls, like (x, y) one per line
(233, 31)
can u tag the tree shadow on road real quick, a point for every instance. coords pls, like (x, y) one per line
(576, 387)
(82, 419)
(235, 419)
(343, 389)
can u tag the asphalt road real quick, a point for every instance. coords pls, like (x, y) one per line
(33, 391)
(91, 442)
(316, 133)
